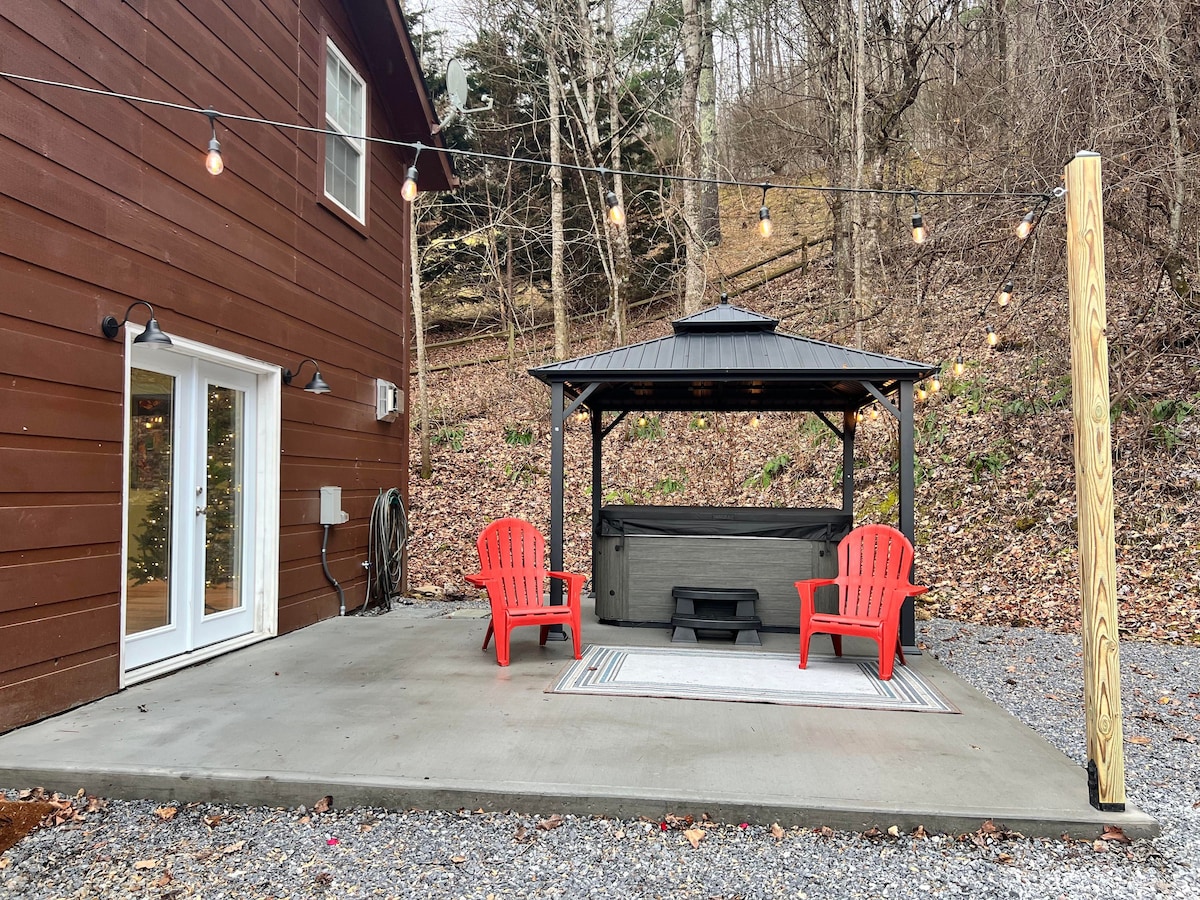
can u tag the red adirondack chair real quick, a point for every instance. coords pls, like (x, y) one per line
(874, 562)
(512, 569)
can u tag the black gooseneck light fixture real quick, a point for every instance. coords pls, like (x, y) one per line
(152, 335)
(315, 386)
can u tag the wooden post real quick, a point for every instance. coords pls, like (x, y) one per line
(1094, 484)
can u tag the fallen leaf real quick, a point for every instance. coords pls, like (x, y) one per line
(167, 813)
(1003, 858)
(234, 847)
(146, 864)
(1114, 833)
(694, 836)
(324, 804)
(894, 831)
(873, 833)
(826, 831)
(553, 822)
(1183, 736)
(1139, 739)
(458, 860)
(920, 832)
(213, 821)
(1100, 846)
(776, 831)
(162, 880)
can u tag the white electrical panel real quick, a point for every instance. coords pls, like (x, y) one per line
(331, 507)
(388, 400)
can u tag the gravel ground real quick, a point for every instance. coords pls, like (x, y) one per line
(121, 849)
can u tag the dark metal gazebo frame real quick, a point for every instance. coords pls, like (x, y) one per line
(729, 359)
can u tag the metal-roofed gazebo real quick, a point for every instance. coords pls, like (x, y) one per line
(729, 359)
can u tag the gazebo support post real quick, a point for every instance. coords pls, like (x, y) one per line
(597, 486)
(557, 470)
(849, 426)
(908, 619)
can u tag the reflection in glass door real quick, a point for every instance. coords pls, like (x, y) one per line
(223, 563)
(151, 445)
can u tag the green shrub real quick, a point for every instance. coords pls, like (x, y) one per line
(450, 435)
(518, 434)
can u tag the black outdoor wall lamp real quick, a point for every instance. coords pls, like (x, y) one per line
(316, 386)
(152, 335)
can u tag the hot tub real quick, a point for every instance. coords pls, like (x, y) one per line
(642, 552)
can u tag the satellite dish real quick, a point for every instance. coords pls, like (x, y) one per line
(456, 84)
(456, 87)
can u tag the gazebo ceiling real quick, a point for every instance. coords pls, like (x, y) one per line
(726, 358)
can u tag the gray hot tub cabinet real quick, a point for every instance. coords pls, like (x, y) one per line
(644, 551)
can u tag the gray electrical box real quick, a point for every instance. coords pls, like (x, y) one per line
(331, 507)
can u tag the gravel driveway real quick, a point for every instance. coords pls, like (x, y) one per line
(110, 849)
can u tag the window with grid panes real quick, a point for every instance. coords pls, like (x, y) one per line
(345, 152)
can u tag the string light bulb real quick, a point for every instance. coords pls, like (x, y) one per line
(922, 394)
(959, 365)
(213, 161)
(764, 216)
(642, 422)
(409, 189)
(755, 421)
(992, 337)
(1005, 295)
(616, 215)
(1026, 226)
(935, 384)
(874, 414)
(918, 223)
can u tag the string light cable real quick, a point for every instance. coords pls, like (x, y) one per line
(417, 147)
(1003, 294)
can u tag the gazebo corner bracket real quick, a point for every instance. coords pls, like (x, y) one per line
(841, 434)
(881, 398)
(613, 424)
(580, 400)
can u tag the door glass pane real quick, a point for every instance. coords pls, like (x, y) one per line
(151, 432)
(224, 484)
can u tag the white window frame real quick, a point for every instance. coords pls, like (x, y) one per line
(350, 137)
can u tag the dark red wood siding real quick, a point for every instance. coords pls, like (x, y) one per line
(106, 201)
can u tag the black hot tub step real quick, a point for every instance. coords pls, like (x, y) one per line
(717, 623)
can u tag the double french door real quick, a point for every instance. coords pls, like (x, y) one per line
(192, 553)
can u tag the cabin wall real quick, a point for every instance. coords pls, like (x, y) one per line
(104, 202)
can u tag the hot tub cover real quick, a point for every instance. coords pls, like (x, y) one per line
(726, 521)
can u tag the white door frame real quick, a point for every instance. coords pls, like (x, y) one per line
(264, 530)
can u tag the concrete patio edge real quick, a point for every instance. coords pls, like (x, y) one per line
(273, 789)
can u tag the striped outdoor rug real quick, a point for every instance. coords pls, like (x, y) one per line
(747, 676)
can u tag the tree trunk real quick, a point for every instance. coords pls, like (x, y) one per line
(689, 154)
(710, 211)
(558, 291)
(860, 150)
(419, 329)
(620, 272)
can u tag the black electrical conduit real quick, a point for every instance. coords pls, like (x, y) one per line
(332, 580)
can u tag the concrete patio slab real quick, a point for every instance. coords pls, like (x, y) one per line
(404, 712)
